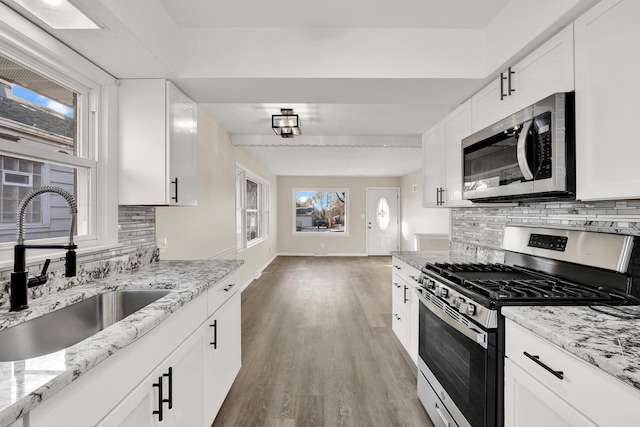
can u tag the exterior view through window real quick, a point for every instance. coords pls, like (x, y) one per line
(320, 211)
(38, 122)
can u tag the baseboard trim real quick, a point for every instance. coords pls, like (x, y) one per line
(321, 254)
(258, 273)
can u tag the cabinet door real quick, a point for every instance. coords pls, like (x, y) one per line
(549, 69)
(487, 106)
(399, 324)
(187, 366)
(182, 139)
(412, 326)
(433, 158)
(222, 355)
(137, 408)
(527, 403)
(457, 126)
(607, 39)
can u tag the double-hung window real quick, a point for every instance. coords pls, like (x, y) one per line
(53, 133)
(252, 208)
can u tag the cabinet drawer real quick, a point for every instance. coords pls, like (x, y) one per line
(400, 293)
(598, 395)
(399, 324)
(221, 292)
(407, 272)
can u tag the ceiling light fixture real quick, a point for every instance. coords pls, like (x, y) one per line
(59, 14)
(286, 124)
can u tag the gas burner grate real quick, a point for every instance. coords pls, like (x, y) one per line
(545, 289)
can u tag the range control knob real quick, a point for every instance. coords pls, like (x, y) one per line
(471, 309)
(430, 283)
(442, 292)
(458, 301)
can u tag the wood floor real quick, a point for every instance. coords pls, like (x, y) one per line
(318, 350)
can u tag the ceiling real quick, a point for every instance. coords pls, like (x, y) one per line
(367, 77)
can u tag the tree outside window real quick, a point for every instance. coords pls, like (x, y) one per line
(320, 211)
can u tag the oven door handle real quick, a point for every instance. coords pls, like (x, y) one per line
(471, 332)
(521, 151)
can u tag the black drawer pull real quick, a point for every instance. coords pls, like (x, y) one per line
(557, 374)
(176, 183)
(397, 267)
(160, 400)
(405, 294)
(397, 285)
(169, 375)
(214, 343)
(228, 287)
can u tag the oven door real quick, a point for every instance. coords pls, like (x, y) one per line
(459, 361)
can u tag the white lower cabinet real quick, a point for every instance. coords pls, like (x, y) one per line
(173, 372)
(530, 404)
(170, 396)
(404, 306)
(545, 385)
(222, 354)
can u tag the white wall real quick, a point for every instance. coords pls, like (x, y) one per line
(208, 230)
(353, 244)
(415, 218)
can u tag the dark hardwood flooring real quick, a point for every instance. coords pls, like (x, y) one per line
(318, 349)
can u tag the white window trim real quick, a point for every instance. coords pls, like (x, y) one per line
(347, 228)
(264, 204)
(25, 43)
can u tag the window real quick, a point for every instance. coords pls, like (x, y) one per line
(39, 146)
(252, 208)
(320, 211)
(55, 129)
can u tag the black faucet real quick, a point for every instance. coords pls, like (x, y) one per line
(20, 281)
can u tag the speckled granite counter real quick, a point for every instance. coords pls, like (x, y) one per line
(418, 259)
(24, 384)
(610, 343)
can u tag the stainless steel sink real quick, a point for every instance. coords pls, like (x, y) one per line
(70, 325)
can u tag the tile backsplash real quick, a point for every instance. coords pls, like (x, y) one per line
(484, 226)
(137, 239)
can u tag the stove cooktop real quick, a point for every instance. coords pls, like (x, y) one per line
(499, 284)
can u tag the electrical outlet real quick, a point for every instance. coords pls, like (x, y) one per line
(162, 244)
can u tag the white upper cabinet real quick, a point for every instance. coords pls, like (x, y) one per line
(547, 70)
(607, 40)
(442, 159)
(157, 144)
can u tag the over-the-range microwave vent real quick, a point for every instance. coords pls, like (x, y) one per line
(527, 157)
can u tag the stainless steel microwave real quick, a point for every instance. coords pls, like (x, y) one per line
(530, 155)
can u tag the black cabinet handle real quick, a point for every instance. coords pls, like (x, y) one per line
(228, 287)
(159, 411)
(536, 359)
(397, 267)
(439, 196)
(405, 294)
(169, 375)
(397, 317)
(214, 343)
(509, 89)
(176, 196)
(502, 95)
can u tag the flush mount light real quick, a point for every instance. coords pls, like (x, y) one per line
(286, 124)
(59, 14)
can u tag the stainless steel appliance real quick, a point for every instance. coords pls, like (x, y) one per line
(461, 331)
(527, 156)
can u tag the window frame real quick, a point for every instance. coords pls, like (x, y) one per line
(344, 233)
(96, 152)
(244, 174)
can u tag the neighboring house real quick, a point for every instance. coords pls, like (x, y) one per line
(304, 217)
(25, 123)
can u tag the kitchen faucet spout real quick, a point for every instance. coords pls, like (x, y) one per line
(20, 281)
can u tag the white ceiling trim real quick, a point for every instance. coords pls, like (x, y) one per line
(329, 141)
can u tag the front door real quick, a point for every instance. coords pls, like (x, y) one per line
(383, 208)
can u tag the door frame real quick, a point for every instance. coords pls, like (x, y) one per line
(366, 215)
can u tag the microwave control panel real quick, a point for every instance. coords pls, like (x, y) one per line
(543, 146)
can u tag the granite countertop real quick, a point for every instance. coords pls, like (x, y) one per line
(418, 259)
(26, 383)
(610, 343)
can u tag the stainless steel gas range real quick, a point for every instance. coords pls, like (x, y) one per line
(461, 330)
